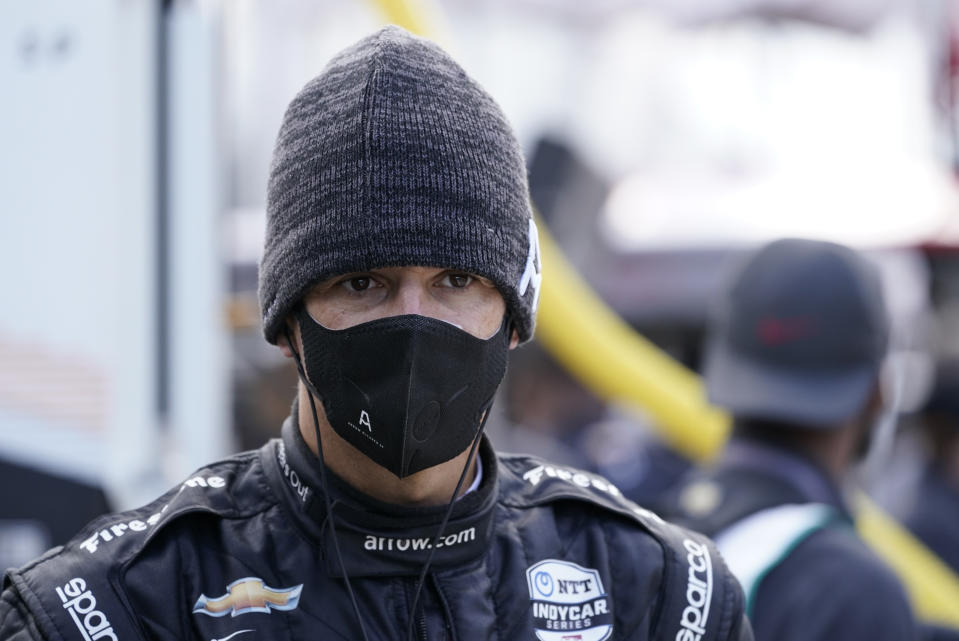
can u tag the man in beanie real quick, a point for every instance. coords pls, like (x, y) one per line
(400, 267)
(794, 353)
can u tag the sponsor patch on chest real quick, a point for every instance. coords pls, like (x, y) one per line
(568, 602)
(80, 602)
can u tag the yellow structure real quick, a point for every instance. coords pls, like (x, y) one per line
(618, 364)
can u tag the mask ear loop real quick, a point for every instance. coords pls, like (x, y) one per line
(326, 495)
(446, 516)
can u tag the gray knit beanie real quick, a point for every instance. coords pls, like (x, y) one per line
(393, 156)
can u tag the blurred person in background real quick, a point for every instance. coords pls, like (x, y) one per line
(400, 267)
(934, 517)
(552, 414)
(546, 410)
(794, 354)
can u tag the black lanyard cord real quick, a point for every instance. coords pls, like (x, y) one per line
(326, 495)
(446, 516)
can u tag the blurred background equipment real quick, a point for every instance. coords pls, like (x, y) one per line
(664, 138)
(79, 368)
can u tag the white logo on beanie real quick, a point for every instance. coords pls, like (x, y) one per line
(532, 275)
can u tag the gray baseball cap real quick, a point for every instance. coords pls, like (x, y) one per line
(799, 336)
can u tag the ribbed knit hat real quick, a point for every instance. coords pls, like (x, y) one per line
(394, 156)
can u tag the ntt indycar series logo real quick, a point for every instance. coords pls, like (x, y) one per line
(82, 606)
(569, 602)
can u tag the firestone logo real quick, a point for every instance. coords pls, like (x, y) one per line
(117, 530)
(82, 606)
(246, 595)
(535, 475)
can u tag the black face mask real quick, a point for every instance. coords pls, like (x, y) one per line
(410, 392)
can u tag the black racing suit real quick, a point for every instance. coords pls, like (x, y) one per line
(244, 550)
(829, 585)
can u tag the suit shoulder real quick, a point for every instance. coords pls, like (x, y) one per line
(528, 481)
(16, 623)
(231, 488)
(90, 565)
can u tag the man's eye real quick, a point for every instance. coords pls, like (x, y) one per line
(358, 283)
(458, 280)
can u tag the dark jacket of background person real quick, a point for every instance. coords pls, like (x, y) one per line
(934, 517)
(794, 353)
(830, 585)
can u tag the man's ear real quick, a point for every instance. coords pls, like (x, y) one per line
(284, 344)
(514, 340)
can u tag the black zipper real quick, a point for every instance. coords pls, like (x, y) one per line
(431, 583)
(447, 613)
(423, 636)
(420, 614)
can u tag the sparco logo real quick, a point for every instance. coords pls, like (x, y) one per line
(568, 601)
(699, 592)
(82, 606)
(300, 488)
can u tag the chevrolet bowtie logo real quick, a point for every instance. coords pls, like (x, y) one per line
(248, 595)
